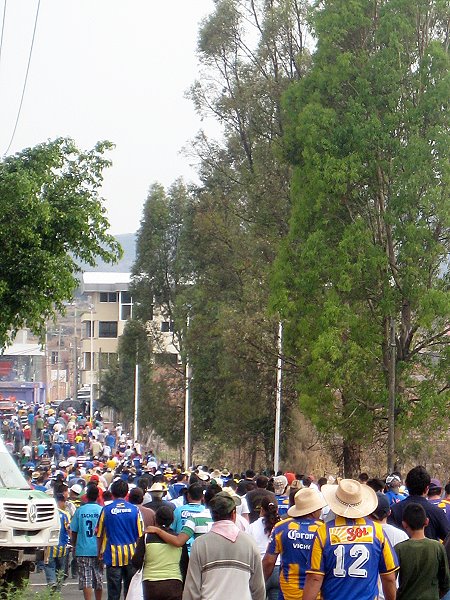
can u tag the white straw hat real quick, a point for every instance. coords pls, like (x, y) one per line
(307, 500)
(350, 499)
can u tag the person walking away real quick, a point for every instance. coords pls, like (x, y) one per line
(136, 497)
(83, 526)
(291, 540)
(225, 562)
(255, 496)
(119, 527)
(418, 482)
(349, 552)
(191, 508)
(157, 491)
(55, 565)
(424, 573)
(260, 531)
(393, 483)
(394, 534)
(435, 497)
(163, 565)
(280, 484)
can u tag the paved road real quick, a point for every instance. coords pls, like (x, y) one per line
(70, 589)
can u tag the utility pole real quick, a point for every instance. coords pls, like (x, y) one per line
(91, 389)
(58, 363)
(391, 407)
(75, 357)
(136, 396)
(187, 413)
(276, 450)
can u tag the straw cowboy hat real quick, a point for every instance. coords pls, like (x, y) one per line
(237, 499)
(307, 500)
(350, 499)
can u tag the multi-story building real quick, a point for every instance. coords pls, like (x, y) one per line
(110, 305)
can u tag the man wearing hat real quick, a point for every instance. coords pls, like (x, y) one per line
(224, 563)
(280, 484)
(157, 491)
(349, 552)
(435, 497)
(292, 539)
(393, 483)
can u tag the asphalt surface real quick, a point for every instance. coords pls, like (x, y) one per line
(69, 590)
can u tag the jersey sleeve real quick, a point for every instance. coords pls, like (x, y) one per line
(316, 557)
(188, 528)
(274, 546)
(101, 524)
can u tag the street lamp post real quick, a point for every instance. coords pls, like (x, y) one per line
(91, 390)
(187, 412)
(276, 452)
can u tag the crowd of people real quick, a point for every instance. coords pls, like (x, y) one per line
(158, 532)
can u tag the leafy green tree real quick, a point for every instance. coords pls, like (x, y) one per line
(52, 218)
(117, 383)
(367, 134)
(250, 51)
(161, 270)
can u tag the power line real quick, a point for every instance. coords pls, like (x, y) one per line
(26, 78)
(3, 28)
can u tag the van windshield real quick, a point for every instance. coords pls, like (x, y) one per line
(10, 476)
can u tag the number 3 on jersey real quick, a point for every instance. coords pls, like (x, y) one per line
(361, 555)
(90, 529)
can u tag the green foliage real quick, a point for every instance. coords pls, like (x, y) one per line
(52, 218)
(367, 132)
(117, 384)
(10, 591)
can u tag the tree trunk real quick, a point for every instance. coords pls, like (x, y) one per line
(351, 454)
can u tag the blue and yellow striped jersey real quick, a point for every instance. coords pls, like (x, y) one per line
(292, 539)
(120, 526)
(283, 505)
(61, 549)
(350, 553)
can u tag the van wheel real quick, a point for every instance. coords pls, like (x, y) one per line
(18, 576)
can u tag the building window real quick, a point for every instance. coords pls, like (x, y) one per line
(87, 329)
(107, 359)
(126, 306)
(108, 296)
(87, 362)
(167, 326)
(54, 357)
(107, 329)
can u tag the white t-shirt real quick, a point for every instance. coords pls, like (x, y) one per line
(256, 531)
(243, 508)
(26, 451)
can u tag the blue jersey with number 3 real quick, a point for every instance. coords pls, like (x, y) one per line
(350, 553)
(84, 523)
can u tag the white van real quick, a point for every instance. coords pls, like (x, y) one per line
(29, 521)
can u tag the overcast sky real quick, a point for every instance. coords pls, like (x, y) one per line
(106, 69)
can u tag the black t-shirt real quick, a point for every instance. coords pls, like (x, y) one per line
(254, 498)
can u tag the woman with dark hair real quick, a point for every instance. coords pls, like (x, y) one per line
(163, 565)
(260, 531)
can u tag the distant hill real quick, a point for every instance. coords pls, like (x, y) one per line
(128, 243)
